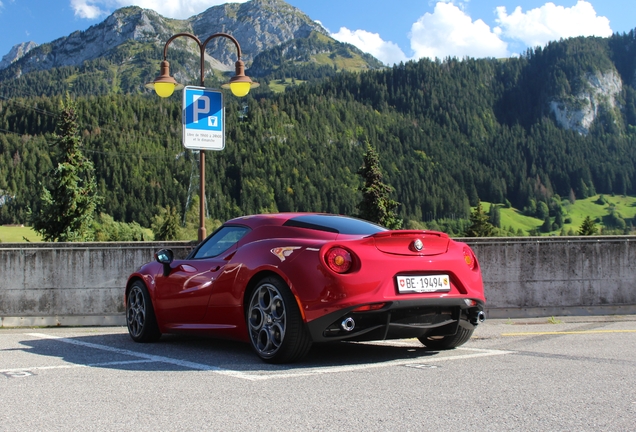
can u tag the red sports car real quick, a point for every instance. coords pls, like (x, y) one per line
(285, 281)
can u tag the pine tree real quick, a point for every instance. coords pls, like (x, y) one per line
(588, 227)
(68, 205)
(376, 206)
(169, 228)
(494, 215)
(547, 225)
(479, 225)
(558, 219)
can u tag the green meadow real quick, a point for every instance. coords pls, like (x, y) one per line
(594, 207)
(18, 234)
(511, 218)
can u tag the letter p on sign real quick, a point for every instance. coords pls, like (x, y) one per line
(201, 105)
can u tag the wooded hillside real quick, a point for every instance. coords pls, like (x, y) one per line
(448, 133)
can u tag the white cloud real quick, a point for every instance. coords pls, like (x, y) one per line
(86, 9)
(548, 23)
(449, 31)
(169, 8)
(387, 52)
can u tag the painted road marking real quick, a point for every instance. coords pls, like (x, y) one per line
(16, 374)
(423, 366)
(72, 366)
(154, 358)
(250, 376)
(353, 368)
(568, 332)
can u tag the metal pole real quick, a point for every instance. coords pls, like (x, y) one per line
(202, 230)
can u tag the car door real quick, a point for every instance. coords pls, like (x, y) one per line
(183, 295)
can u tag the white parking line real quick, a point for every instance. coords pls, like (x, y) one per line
(150, 357)
(352, 368)
(251, 376)
(71, 366)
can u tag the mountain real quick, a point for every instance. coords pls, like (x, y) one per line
(16, 53)
(129, 45)
(554, 125)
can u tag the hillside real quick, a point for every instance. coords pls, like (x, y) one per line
(599, 208)
(558, 123)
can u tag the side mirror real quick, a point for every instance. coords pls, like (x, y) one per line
(165, 257)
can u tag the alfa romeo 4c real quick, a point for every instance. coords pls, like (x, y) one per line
(283, 282)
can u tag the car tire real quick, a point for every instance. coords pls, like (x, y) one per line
(447, 342)
(140, 315)
(276, 328)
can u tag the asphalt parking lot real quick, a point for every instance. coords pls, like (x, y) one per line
(540, 374)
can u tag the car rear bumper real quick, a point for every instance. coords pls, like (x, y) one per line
(397, 320)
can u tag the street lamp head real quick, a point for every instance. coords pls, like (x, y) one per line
(164, 85)
(240, 84)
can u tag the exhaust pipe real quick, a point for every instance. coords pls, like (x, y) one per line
(477, 317)
(348, 324)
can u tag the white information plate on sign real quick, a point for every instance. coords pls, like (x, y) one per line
(203, 119)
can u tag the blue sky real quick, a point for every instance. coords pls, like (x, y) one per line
(392, 31)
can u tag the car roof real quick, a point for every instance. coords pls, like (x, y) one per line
(321, 221)
(273, 219)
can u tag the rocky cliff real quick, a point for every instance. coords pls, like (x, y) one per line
(259, 25)
(126, 24)
(578, 112)
(17, 52)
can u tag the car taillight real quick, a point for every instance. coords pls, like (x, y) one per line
(339, 260)
(469, 258)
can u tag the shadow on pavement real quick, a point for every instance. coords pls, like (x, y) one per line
(183, 353)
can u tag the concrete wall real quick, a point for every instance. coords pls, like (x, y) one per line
(551, 276)
(45, 284)
(82, 283)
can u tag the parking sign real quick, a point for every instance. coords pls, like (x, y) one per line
(203, 119)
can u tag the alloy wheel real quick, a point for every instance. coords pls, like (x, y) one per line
(267, 319)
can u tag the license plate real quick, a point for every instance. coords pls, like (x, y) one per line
(423, 284)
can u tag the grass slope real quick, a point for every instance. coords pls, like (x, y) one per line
(593, 207)
(17, 234)
(280, 85)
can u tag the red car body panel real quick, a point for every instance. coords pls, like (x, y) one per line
(209, 295)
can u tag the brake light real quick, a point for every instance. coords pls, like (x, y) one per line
(339, 260)
(469, 258)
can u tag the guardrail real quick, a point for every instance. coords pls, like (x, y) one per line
(45, 284)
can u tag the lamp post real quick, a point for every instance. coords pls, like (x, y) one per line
(164, 85)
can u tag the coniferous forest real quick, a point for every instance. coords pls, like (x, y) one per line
(448, 134)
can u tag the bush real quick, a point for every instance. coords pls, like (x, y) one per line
(107, 229)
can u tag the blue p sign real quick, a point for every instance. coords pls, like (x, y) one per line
(203, 120)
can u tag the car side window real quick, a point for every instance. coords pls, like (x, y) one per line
(221, 241)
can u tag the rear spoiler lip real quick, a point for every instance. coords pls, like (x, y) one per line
(391, 233)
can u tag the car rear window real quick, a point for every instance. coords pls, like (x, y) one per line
(335, 224)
